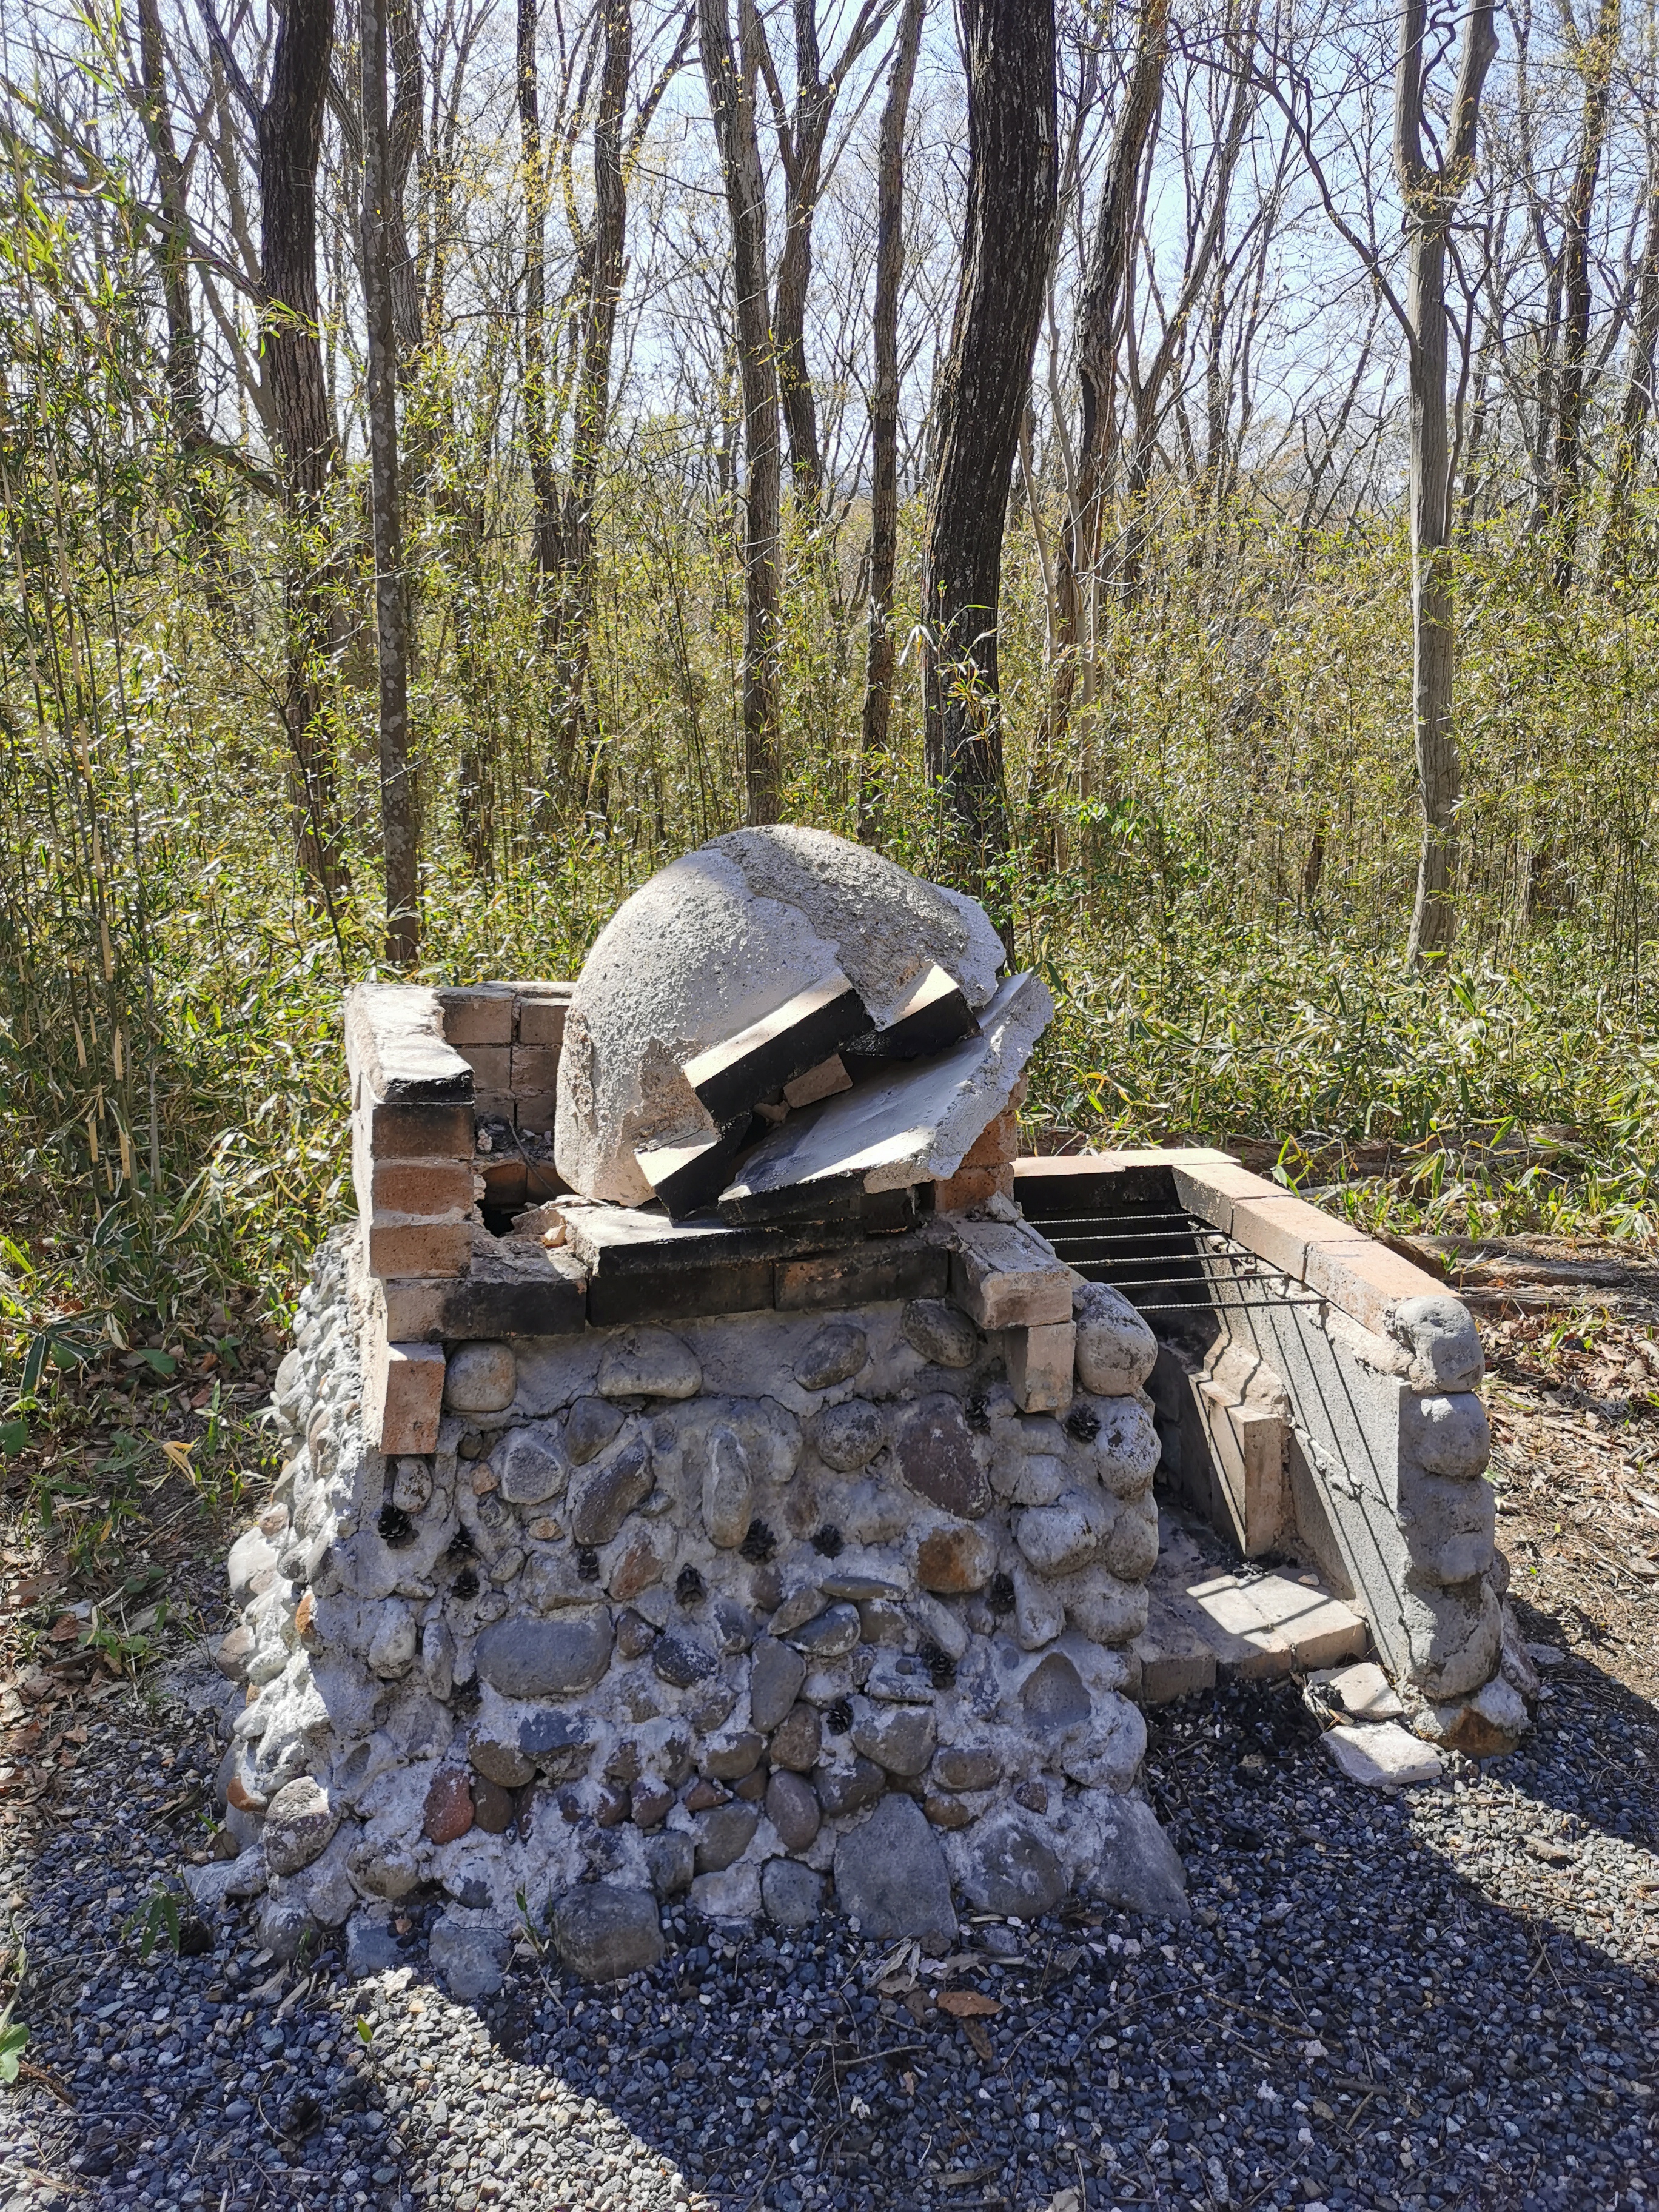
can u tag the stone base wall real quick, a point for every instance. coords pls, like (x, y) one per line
(766, 1607)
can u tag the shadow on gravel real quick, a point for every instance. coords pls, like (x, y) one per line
(1608, 1772)
(1379, 2002)
(1354, 2016)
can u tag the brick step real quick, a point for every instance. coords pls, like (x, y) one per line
(1202, 1624)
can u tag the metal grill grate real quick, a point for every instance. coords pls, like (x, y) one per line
(1170, 1261)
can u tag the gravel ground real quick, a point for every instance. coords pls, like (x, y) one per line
(1445, 1999)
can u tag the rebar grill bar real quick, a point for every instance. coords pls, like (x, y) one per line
(1133, 1252)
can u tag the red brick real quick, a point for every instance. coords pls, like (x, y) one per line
(884, 1268)
(400, 1246)
(996, 1143)
(1005, 1277)
(430, 1189)
(403, 1397)
(492, 1068)
(541, 1020)
(414, 1311)
(1040, 1366)
(505, 1180)
(1365, 1280)
(1282, 1231)
(416, 1130)
(971, 1186)
(480, 1014)
(1211, 1188)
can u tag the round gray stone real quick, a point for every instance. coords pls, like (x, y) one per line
(890, 1875)
(671, 1861)
(602, 1934)
(1139, 1868)
(649, 1362)
(728, 1490)
(471, 1956)
(792, 1895)
(1010, 1868)
(850, 1435)
(299, 1822)
(791, 1807)
(838, 1351)
(411, 1485)
(480, 1379)
(958, 1767)
(1054, 1696)
(830, 1634)
(550, 1658)
(371, 1946)
(934, 1449)
(1115, 1349)
(899, 1738)
(588, 1428)
(530, 1465)
(844, 1789)
(604, 1497)
(723, 1834)
(775, 1675)
(681, 1661)
(940, 1332)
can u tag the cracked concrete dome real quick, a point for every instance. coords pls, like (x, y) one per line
(717, 940)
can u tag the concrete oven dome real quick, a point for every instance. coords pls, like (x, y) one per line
(718, 940)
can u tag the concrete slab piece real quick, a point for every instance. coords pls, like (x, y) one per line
(912, 1126)
(1174, 1660)
(1319, 1629)
(1268, 1624)
(1365, 1692)
(1383, 1757)
(1244, 1643)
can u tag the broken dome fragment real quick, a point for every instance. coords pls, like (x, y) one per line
(913, 1124)
(679, 1004)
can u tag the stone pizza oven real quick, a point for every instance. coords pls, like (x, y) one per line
(701, 1476)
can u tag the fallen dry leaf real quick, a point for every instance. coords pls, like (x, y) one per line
(968, 2004)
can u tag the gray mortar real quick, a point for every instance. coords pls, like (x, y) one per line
(610, 1707)
(714, 942)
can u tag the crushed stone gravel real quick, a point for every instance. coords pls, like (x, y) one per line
(1379, 2002)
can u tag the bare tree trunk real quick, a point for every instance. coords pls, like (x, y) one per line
(732, 102)
(1597, 61)
(172, 260)
(398, 836)
(544, 491)
(289, 133)
(1430, 196)
(403, 145)
(1638, 398)
(802, 173)
(801, 142)
(883, 411)
(1097, 339)
(608, 245)
(1012, 192)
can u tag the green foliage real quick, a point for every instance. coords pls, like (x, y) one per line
(156, 1916)
(1212, 854)
(14, 2035)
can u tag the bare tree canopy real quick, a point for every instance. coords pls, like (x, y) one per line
(1183, 470)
